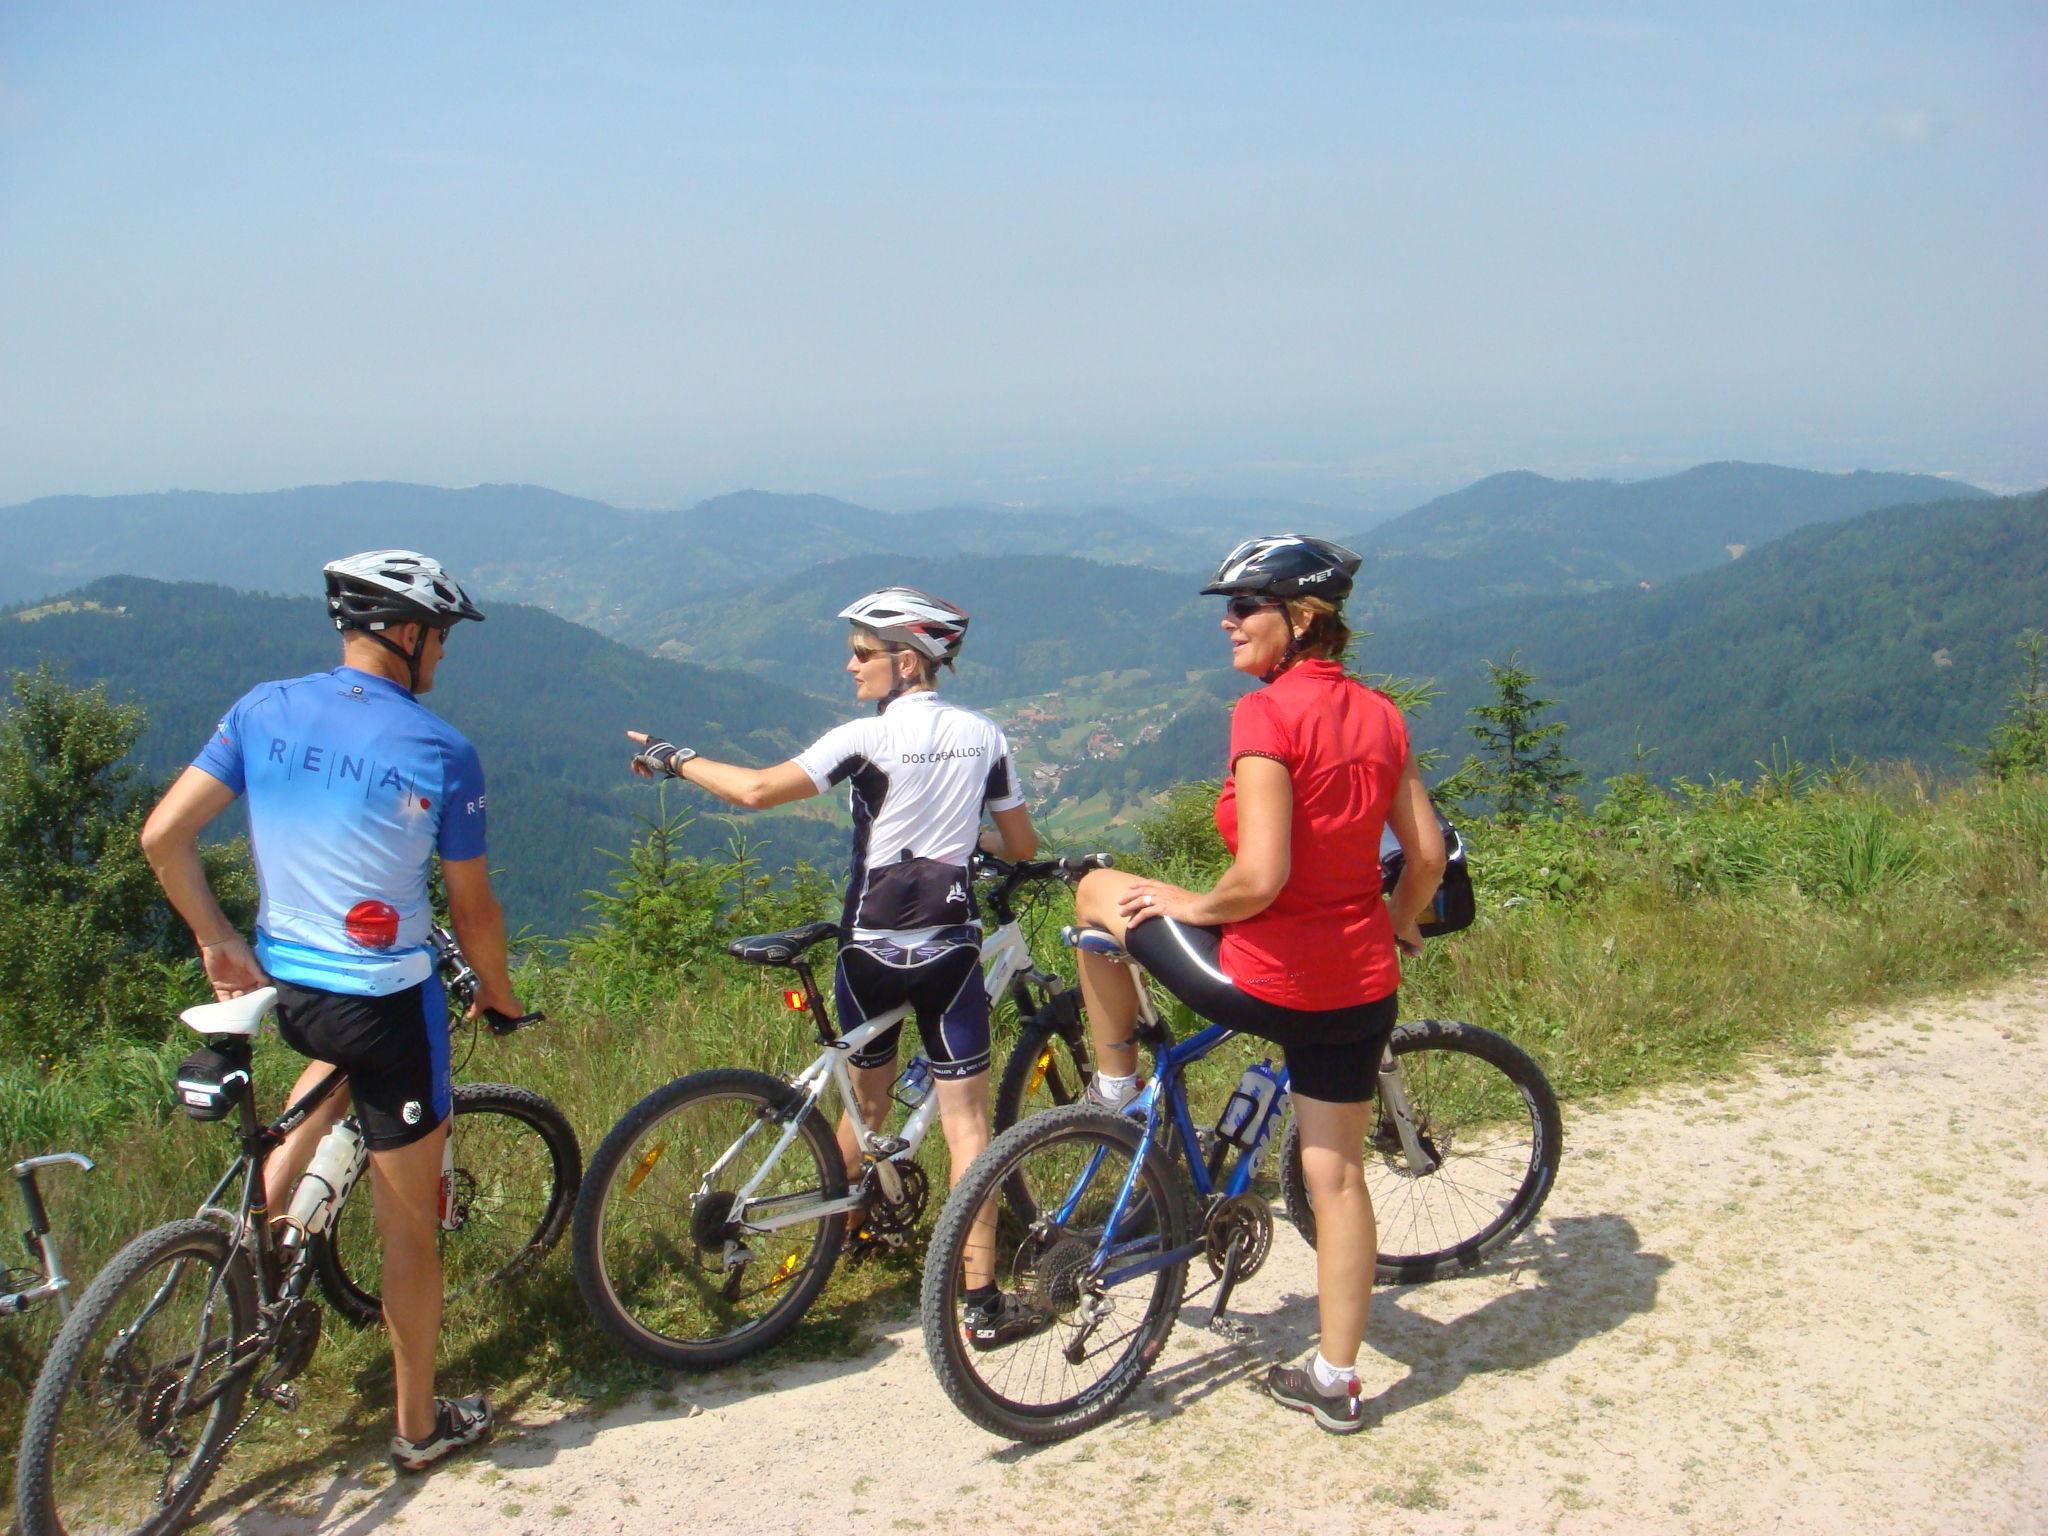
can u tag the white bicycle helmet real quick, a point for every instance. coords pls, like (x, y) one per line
(906, 616)
(383, 587)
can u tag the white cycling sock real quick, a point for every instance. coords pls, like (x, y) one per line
(1329, 1377)
(1117, 1090)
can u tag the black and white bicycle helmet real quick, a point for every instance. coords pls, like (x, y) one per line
(383, 587)
(1286, 565)
(906, 616)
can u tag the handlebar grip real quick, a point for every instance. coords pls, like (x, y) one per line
(505, 1023)
(1080, 864)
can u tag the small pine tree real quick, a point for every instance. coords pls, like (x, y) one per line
(1520, 768)
(88, 945)
(2019, 742)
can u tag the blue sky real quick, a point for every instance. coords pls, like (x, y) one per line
(1355, 254)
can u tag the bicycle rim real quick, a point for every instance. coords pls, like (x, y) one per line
(660, 1258)
(1091, 1344)
(517, 1167)
(1488, 1120)
(136, 1400)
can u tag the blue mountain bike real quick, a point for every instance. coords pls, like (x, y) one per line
(1102, 1214)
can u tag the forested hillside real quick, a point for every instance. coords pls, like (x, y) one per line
(1890, 636)
(1522, 535)
(545, 701)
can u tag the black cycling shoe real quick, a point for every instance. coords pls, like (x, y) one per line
(1002, 1320)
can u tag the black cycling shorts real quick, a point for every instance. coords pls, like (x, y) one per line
(940, 978)
(394, 1049)
(1333, 1054)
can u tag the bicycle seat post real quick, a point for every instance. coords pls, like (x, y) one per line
(814, 1001)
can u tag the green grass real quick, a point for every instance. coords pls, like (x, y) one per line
(1662, 938)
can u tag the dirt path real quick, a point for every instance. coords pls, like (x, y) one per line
(1812, 1301)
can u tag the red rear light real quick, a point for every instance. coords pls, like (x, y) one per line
(796, 1000)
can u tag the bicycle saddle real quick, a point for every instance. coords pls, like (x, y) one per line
(780, 948)
(237, 1016)
(1094, 940)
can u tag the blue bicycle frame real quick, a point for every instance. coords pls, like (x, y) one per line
(1167, 1096)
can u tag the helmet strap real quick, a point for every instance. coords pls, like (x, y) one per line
(411, 658)
(1294, 642)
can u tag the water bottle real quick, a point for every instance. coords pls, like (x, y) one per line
(1244, 1112)
(337, 1163)
(915, 1085)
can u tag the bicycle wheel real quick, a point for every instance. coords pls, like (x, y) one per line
(1079, 1347)
(1047, 1068)
(136, 1401)
(661, 1264)
(1488, 1118)
(517, 1167)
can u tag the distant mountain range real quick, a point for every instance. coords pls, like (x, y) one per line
(1713, 613)
(1521, 535)
(652, 577)
(545, 701)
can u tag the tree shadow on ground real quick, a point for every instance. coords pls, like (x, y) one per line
(1591, 1276)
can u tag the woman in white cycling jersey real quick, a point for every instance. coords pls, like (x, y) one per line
(919, 773)
(1295, 942)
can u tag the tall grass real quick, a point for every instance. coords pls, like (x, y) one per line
(1664, 935)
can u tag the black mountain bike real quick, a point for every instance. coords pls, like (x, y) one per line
(193, 1327)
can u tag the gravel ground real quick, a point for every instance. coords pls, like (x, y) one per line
(1812, 1300)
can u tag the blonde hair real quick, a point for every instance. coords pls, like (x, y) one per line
(1324, 635)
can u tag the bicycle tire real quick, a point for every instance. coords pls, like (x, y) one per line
(64, 1479)
(513, 1198)
(1029, 1260)
(1045, 1070)
(1478, 1198)
(641, 1263)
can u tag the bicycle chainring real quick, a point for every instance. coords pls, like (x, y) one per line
(1245, 1219)
(296, 1341)
(901, 1217)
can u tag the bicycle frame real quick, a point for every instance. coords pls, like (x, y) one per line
(1005, 959)
(1167, 1110)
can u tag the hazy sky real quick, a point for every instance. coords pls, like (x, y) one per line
(1351, 253)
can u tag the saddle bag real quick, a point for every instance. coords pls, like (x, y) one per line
(212, 1078)
(1454, 905)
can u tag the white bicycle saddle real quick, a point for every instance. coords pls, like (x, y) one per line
(242, 1015)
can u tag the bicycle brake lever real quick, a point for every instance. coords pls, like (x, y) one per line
(505, 1023)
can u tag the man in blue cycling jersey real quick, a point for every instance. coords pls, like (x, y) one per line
(353, 788)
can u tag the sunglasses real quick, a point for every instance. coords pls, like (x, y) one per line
(1244, 605)
(865, 653)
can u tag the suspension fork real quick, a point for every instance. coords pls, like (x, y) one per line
(1393, 1088)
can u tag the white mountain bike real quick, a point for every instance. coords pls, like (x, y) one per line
(713, 1213)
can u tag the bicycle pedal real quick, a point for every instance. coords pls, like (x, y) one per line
(886, 1146)
(1233, 1329)
(284, 1395)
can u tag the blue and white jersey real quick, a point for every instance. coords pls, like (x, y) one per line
(353, 785)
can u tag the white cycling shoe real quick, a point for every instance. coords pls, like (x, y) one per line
(458, 1422)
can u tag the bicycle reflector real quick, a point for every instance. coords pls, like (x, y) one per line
(796, 1000)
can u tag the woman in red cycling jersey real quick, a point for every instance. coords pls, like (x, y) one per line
(1295, 943)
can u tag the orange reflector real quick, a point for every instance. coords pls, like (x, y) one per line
(796, 1000)
(1039, 1069)
(645, 1167)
